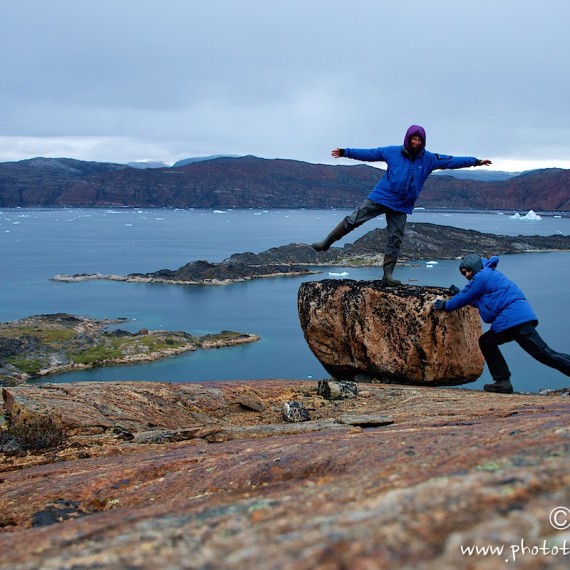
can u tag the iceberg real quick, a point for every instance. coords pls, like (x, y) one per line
(530, 215)
(343, 274)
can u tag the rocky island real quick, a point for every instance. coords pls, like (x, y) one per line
(421, 241)
(49, 344)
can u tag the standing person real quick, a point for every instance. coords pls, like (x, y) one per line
(502, 304)
(396, 193)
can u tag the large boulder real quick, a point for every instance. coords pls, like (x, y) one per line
(360, 330)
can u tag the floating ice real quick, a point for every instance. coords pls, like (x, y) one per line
(343, 274)
(530, 215)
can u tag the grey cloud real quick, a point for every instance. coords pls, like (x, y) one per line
(287, 79)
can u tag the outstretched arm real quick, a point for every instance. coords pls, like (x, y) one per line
(446, 161)
(364, 154)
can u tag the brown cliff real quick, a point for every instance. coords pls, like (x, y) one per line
(251, 182)
(454, 468)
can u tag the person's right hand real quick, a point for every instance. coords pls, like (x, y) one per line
(439, 305)
(335, 153)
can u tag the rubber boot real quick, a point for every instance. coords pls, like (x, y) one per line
(389, 264)
(500, 387)
(339, 232)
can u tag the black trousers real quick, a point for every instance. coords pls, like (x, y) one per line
(529, 340)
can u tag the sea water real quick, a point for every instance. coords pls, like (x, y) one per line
(36, 244)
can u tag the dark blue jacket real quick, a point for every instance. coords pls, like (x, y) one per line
(405, 177)
(499, 300)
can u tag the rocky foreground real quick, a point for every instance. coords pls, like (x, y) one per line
(212, 476)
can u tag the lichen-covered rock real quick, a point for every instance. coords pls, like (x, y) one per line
(360, 329)
(295, 412)
(94, 407)
(332, 390)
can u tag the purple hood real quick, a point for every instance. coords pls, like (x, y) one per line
(413, 131)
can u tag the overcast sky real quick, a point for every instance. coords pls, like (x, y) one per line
(130, 80)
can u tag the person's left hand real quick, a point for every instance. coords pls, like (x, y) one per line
(454, 289)
(439, 305)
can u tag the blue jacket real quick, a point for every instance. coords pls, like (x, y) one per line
(405, 177)
(499, 300)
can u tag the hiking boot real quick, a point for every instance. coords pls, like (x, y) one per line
(388, 280)
(339, 232)
(501, 387)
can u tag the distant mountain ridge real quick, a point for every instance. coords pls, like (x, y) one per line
(482, 174)
(252, 182)
(147, 164)
(183, 162)
(187, 161)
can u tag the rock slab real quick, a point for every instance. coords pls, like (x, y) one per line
(450, 469)
(360, 330)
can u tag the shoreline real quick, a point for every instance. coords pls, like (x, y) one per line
(76, 278)
(47, 345)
